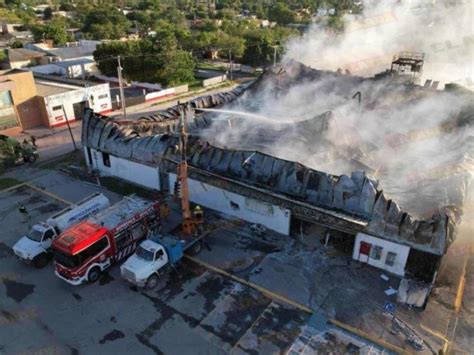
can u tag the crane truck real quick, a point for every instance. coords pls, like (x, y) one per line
(35, 246)
(84, 251)
(154, 254)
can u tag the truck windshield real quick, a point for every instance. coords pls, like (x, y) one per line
(69, 261)
(144, 254)
(35, 235)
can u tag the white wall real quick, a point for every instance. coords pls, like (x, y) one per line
(136, 173)
(402, 252)
(214, 80)
(100, 103)
(251, 210)
(19, 65)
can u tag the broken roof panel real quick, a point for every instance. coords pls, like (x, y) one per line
(354, 195)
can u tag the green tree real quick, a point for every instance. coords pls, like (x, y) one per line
(54, 30)
(48, 13)
(16, 44)
(151, 60)
(258, 49)
(66, 6)
(9, 16)
(105, 22)
(336, 23)
(259, 45)
(281, 14)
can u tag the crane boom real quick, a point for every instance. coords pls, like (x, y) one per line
(190, 223)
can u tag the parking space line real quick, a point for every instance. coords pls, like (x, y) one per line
(283, 299)
(268, 293)
(47, 193)
(13, 187)
(369, 337)
(436, 334)
(38, 189)
(249, 328)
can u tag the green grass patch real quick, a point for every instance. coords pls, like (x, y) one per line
(5, 183)
(210, 66)
(125, 188)
(72, 158)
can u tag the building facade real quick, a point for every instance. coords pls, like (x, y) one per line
(18, 102)
(69, 102)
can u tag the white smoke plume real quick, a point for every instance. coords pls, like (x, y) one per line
(442, 29)
(401, 135)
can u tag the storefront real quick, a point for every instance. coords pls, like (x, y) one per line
(70, 103)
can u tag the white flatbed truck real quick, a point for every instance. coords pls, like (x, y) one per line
(154, 255)
(35, 247)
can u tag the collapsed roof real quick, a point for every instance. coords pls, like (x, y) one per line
(355, 197)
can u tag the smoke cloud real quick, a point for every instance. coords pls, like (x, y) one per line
(417, 142)
(442, 29)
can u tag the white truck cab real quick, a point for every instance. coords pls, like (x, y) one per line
(152, 255)
(36, 244)
(142, 268)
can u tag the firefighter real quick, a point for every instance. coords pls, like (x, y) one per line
(22, 209)
(165, 211)
(198, 214)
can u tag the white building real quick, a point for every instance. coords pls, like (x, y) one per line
(271, 216)
(75, 68)
(82, 49)
(60, 101)
(381, 253)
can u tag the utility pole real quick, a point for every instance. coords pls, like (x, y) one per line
(122, 96)
(230, 64)
(275, 55)
(69, 128)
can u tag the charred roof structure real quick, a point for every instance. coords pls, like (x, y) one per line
(244, 156)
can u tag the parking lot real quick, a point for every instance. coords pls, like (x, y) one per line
(230, 299)
(191, 311)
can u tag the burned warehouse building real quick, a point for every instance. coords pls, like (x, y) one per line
(261, 157)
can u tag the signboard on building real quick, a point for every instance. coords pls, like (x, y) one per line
(70, 104)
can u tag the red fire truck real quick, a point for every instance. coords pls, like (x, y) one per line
(82, 252)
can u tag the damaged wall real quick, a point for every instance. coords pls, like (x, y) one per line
(271, 216)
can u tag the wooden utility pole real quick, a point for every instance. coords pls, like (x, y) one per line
(122, 96)
(230, 64)
(69, 127)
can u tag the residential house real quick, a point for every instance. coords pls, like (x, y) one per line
(16, 58)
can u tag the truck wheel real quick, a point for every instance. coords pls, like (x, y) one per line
(41, 261)
(196, 248)
(30, 158)
(93, 275)
(152, 282)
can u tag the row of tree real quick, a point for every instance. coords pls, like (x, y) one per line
(169, 56)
